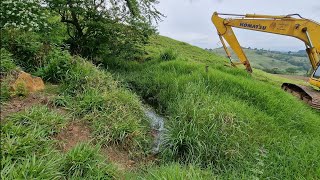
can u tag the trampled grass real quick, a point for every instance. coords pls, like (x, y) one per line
(223, 118)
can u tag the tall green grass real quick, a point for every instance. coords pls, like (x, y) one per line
(28, 150)
(89, 94)
(175, 171)
(85, 162)
(114, 113)
(27, 145)
(225, 119)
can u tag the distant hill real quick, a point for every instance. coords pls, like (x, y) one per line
(275, 62)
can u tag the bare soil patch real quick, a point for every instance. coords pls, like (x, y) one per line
(18, 104)
(119, 157)
(74, 133)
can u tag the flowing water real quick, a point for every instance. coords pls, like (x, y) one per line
(157, 126)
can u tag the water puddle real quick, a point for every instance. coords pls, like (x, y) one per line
(157, 126)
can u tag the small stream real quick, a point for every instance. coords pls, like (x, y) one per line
(157, 126)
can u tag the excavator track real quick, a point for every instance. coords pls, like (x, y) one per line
(307, 94)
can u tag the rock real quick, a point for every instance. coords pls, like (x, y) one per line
(32, 84)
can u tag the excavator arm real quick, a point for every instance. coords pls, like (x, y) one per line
(304, 29)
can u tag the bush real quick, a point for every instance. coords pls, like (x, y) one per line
(168, 54)
(26, 47)
(7, 63)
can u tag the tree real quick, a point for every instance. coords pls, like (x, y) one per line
(26, 15)
(291, 70)
(95, 22)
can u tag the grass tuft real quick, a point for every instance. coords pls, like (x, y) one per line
(85, 162)
(168, 54)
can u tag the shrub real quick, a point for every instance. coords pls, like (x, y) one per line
(168, 54)
(7, 63)
(26, 47)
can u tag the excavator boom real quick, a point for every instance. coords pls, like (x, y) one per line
(292, 25)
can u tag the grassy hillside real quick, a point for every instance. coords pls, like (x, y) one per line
(274, 61)
(223, 119)
(221, 122)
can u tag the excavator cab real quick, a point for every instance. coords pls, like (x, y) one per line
(317, 73)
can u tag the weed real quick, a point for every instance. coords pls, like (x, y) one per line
(7, 63)
(21, 90)
(168, 54)
(5, 93)
(60, 101)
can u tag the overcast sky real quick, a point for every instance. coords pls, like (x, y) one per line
(190, 21)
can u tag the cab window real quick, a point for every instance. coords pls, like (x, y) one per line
(317, 73)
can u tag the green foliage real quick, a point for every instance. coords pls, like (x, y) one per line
(84, 76)
(27, 15)
(85, 162)
(291, 70)
(5, 90)
(118, 29)
(274, 61)
(120, 120)
(115, 114)
(21, 90)
(26, 48)
(168, 54)
(7, 63)
(57, 65)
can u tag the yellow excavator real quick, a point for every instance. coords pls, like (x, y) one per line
(292, 25)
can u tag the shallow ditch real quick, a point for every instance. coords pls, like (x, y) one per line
(157, 127)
